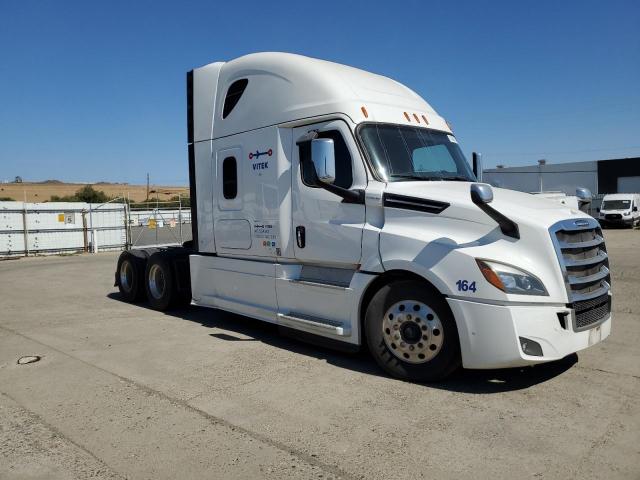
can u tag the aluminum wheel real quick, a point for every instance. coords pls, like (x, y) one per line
(157, 283)
(126, 276)
(412, 331)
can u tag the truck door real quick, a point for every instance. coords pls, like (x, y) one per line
(327, 231)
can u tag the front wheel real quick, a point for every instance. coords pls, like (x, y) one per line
(411, 332)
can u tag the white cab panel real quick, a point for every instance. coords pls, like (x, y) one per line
(243, 287)
(234, 234)
(205, 176)
(249, 221)
(333, 228)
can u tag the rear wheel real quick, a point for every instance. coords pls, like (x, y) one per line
(411, 332)
(159, 283)
(130, 273)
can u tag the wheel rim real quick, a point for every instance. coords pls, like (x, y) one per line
(157, 282)
(412, 331)
(126, 276)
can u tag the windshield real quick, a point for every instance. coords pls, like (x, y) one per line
(616, 204)
(409, 153)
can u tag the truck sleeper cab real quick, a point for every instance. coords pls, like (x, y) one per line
(337, 204)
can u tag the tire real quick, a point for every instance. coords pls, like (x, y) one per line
(130, 273)
(420, 342)
(159, 282)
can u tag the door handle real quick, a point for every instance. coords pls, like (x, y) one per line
(300, 236)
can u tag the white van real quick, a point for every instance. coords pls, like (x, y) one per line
(620, 209)
(338, 205)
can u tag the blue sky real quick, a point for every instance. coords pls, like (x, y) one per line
(95, 91)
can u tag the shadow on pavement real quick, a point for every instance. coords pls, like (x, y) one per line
(465, 381)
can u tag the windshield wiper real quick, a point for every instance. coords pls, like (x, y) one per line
(457, 178)
(414, 176)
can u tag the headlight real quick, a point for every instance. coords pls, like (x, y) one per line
(626, 214)
(510, 279)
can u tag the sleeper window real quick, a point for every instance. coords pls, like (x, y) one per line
(236, 89)
(344, 173)
(229, 178)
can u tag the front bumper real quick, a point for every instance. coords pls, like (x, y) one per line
(616, 221)
(489, 334)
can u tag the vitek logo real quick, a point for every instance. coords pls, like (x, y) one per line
(260, 165)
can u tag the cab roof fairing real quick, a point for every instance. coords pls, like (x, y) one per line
(285, 87)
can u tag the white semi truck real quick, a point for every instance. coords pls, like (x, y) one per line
(337, 204)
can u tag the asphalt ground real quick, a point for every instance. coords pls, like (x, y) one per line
(122, 391)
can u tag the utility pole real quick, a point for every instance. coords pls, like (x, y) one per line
(541, 163)
(147, 199)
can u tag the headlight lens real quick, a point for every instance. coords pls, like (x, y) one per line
(510, 279)
(626, 214)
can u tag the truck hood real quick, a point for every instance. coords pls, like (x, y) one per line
(522, 208)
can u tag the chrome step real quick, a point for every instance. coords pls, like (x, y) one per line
(308, 322)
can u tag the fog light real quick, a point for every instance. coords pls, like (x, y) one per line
(530, 347)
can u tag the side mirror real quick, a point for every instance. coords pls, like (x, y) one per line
(324, 159)
(635, 209)
(598, 210)
(481, 193)
(584, 195)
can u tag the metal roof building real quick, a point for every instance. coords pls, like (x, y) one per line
(600, 176)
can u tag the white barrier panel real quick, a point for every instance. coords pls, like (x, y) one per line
(56, 227)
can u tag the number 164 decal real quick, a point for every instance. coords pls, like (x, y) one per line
(466, 286)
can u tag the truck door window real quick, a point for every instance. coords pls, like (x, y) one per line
(229, 178)
(344, 173)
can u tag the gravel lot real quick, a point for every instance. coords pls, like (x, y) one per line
(123, 391)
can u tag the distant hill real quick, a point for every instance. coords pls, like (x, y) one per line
(42, 191)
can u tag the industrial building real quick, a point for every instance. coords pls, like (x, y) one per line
(600, 176)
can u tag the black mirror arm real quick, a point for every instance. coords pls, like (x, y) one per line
(349, 196)
(507, 226)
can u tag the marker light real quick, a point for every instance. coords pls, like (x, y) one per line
(510, 279)
(425, 119)
(416, 117)
(364, 112)
(406, 115)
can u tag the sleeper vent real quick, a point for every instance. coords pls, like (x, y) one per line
(233, 95)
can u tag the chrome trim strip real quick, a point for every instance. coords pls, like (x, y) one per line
(583, 262)
(590, 243)
(601, 275)
(318, 284)
(579, 297)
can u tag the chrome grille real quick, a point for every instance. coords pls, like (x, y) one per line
(583, 259)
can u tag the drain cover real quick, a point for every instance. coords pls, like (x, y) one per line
(29, 359)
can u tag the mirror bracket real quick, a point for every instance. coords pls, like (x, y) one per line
(481, 195)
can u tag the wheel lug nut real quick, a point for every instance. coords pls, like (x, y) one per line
(409, 316)
(402, 344)
(411, 347)
(397, 336)
(395, 327)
